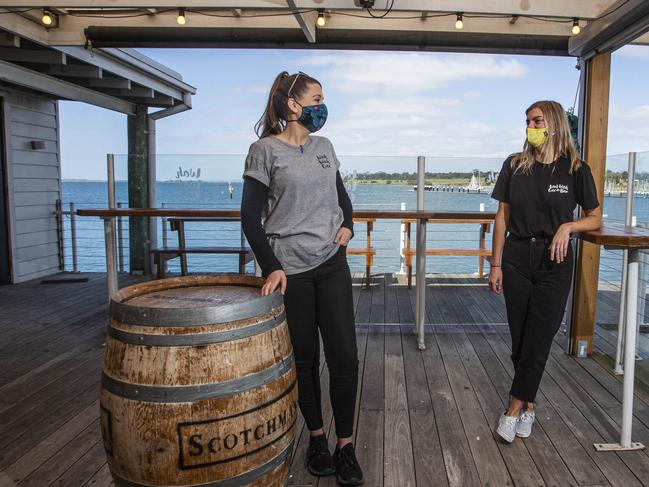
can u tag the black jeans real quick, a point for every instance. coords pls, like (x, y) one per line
(536, 290)
(322, 299)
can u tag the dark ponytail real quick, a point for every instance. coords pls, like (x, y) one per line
(273, 121)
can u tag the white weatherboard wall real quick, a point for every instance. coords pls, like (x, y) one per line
(34, 181)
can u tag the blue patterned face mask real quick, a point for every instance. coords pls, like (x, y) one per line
(313, 117)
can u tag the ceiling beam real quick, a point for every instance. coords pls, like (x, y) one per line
(33, 56)
(72, 29)
(114, 83)
(585, 9)
(336, 39)
(139, 92)
(28, 78)
(157, 101)
(114, 66)
(626, 22)
(306, 21)
(9, 40)
(643, 40)
(76, 71)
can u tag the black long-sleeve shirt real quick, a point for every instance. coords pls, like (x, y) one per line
(254, 198)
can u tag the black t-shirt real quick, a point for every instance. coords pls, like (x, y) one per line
(546, 198)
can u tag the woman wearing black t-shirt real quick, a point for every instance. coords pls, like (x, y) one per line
(538, 190)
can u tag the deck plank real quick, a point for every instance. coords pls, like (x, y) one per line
(477, 429)
(616, 472)
(50, 445)
(399, 464)
(391, 304)
(582, 467)
(540, 447)
(492, 407)
(423, 418)
(427, 450)
(460, 467)
(370, 426)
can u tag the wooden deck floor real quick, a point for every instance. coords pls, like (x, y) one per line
(424, 418)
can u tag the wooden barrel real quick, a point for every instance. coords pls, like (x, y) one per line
(198, 384)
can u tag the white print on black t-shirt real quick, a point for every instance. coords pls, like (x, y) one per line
(558, 188)
(324, 162)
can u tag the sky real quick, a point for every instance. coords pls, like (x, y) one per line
(385, 108)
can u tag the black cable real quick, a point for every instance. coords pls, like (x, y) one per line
(574, 103)
(281, 14)
(11, 11)
(334, 12)
(384, 14)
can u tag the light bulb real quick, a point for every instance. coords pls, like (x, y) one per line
(459, 24)
(321, 19)
(575, 27)
(47, 18)
(181, 17)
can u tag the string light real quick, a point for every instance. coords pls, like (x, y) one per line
(459, 24)
(575, 27)
(181, 17)
(46, 18)
(321, 18)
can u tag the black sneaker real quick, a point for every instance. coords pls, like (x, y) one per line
(348, 471)
(318, 458)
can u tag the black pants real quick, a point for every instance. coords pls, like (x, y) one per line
(536, 290)
(322, 299)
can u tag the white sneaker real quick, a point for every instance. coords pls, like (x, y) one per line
(524, 425)
(507, 427)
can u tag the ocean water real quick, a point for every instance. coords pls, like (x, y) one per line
(385, 236)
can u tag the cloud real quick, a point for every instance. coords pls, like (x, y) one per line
(634, 52)
(370, 73)
(628, 129)
(471, 95)
(414, 126)
(640, 112)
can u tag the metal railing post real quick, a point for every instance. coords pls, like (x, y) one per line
(120, 241)
(402, 244)
(109, 228)
(421, 256)
(60, 222)
(73, 237)
(624, 287)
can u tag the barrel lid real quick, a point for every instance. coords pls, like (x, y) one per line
(192, 301)
(195, 296)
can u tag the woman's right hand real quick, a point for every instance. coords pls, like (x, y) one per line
(496, 280)
(274, 279)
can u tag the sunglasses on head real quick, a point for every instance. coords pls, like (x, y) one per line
(288, 93)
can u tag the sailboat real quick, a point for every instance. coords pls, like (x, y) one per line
(474, 185)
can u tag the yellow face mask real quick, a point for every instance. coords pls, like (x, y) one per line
(537, 137)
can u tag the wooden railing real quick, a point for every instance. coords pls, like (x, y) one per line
(421, 217)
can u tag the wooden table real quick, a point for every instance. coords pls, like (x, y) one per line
(420, 215)
(632, 239)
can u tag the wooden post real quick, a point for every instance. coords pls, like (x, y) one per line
(595, 123)
(138, 190)
(483, 234)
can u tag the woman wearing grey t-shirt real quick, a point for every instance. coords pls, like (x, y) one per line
(291, 179)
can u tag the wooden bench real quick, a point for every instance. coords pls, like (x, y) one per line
(481, 252)
(368, 251)
(163, 254)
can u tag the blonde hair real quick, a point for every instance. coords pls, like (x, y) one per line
(559, 143)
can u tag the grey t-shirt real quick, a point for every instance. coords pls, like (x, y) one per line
(302, 216)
